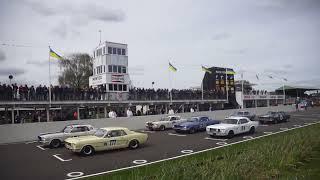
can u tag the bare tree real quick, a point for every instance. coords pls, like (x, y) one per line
(76, 70)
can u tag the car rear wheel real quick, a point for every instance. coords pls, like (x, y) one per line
(230, 134)
(134, 144)
(252, 130)
(55, 143)
(87, 150)
(162, 128)
(192, 131)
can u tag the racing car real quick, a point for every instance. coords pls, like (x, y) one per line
(164, 123)
(232, 126)
(243, 114)
(195, 124)
(274, 117)
(108, 138)
(55, 140)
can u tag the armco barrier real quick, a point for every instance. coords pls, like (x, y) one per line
(10, 133)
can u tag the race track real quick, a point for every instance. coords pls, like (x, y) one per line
(31, 161)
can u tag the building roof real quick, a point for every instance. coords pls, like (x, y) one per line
(306, 88)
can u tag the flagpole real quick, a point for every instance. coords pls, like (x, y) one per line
(227, 86)
(242, 91)
(49, 79)
(170, 79)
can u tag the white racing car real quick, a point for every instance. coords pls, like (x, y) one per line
(164, 123)
(55, 140)
(232, 126)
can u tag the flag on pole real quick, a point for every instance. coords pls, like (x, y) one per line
(270, 77)
(206, 69)
(285, 79)
(54, 54)
(231, 72)
(257, 76)
(172, 68)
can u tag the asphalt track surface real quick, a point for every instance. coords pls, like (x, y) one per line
(29, 160)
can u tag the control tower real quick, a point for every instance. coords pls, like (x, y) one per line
(110, 70)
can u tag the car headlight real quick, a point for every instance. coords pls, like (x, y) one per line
(155, 125)
(185, 127)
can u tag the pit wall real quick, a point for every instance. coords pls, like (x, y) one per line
(12, 133)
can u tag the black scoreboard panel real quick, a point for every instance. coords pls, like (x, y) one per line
(216, 81)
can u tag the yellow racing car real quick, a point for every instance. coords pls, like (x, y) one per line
(106, 139)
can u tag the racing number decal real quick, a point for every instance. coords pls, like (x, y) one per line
(112, 143)
(243, 128)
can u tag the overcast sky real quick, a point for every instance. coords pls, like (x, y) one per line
(265, 37)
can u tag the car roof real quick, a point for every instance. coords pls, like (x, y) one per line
(236, 117)
(77, 125)
(114, 128)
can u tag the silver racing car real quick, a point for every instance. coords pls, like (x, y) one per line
(55, 140)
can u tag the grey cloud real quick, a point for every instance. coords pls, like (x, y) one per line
(221, 36)
(2, 56)
(276, 71)
(61, 30)
(92, 11)
(41, 8)
(40, 62)
(11, 71)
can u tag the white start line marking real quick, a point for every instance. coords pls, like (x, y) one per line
(173, 134)
(247, 137)
(215, 139)
(221, 143)
(186, 151)
(30, 142)
(75, 174)
(139, 161)
(63, 160)
(296, 125)
(284, 129)
(268, 132)
(40, 147)
(147, 131)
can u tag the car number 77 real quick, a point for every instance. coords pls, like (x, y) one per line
(112, 143)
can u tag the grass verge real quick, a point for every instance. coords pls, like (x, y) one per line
(289, 155)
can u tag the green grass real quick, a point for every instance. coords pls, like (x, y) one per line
(289, 155)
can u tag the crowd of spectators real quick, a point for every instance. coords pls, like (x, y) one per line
(62, 93)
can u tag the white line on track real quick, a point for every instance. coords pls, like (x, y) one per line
(30, 142)
(283, 129)
(147, 131)
(173, 134)
(187, 151)
(139, 161)
(268, 132)
(40, 147)
(247, 137)
(221, 143)
(63, 160)
(215, 139)
(176, 157)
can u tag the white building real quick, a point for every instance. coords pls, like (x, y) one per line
(110, 70)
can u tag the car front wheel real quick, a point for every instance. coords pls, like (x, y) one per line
(87, 150)
(55, 143)
(230, 134)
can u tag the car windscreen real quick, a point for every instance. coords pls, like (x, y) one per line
(100, 132)
(230, 121)
(165, 119)
(192, 119)
(67, 129)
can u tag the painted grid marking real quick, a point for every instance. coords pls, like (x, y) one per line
(173, 134)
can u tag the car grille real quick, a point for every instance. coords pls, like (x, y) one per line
(213, 130)
(149, 124)
(68, 144)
